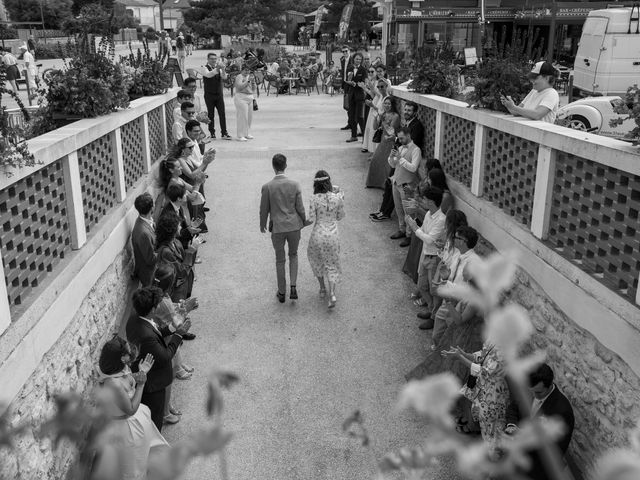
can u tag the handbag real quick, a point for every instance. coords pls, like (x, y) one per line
(255, 105)
(377, 136)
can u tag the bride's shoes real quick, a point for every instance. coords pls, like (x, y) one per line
(332, 301)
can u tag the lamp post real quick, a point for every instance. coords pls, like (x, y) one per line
(44, 33)
(481, 28)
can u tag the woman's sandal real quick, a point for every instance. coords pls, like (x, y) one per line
(419, 302)
(174, 410)
(183, 375)
(187, 368)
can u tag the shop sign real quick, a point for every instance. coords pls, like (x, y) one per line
(454, 13)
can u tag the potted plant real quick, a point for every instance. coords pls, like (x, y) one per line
(147, 72)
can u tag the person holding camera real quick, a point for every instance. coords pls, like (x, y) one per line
(214, 75)
(356, 75)
(243, 100)
(542, 102)
(405, 158)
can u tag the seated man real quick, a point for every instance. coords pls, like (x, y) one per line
(187, 112)
(548, 401)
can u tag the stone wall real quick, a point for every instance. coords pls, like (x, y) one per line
(604, 391)
(69, 365)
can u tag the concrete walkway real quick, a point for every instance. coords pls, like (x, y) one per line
(303, 368)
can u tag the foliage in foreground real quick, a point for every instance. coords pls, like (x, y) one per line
(85, 425)
(147, 72)
(508, 328)
(435, 74)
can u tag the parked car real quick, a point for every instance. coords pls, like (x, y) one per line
(593, 114)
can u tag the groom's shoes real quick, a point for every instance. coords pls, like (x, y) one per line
(281, 297)
(294, 293)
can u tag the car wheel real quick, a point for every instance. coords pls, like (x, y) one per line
(578, 122)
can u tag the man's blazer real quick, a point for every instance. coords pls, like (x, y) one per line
(281, 202)
(417, 133)
(149, 340)
(143, 240)
(345, 62)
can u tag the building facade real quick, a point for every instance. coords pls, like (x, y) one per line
(548, 28)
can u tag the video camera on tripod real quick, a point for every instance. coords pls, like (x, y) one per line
(253, 62)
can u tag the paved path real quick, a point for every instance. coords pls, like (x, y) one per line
(303, 368)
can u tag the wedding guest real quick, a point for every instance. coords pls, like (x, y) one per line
(346, 65)
(143, 240)
(32, 72)
(543, 101)
(131, 431)
(378, 93)
(187, 112)
(488, 393)
(243, 100)
(190, 85)
(143, 332)
(214, 75)
(437, 178)
(405, 159)
(181, 48)
(326, 209)
(449, 258)
(355, 96)
(177, 202)
(181, 97)
(432, 235)
(379, 169)
(548, 401)
(171, 251)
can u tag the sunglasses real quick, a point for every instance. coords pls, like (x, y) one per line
(372, 71)
(190, 146)
(459, 238)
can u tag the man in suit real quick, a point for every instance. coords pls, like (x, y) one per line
(177, 196)
(281, 202)
(411, 121)
(405, 160)
(548, 401)
(345, 66)
(356, 76)
(143, 241)
(143, 332)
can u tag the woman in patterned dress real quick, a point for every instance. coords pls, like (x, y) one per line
(490, 395)
(326, 208)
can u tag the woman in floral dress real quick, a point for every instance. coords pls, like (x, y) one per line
(326, 208)
(379, 167)
(490, 394)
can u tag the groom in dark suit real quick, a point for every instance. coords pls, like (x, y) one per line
(281, 203)
(143, 332)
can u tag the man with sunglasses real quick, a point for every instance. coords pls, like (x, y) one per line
(187, 112)
(346, 65)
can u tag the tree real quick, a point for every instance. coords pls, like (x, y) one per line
(54, 12)
(304, 6)
(363, 12)
(208, 18)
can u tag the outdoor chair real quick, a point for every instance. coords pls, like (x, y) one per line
(310, 84)
(273, 81)
(193, 73)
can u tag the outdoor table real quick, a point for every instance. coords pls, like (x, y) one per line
(291, 81)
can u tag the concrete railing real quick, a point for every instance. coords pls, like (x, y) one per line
(64, 220)
(568, 201)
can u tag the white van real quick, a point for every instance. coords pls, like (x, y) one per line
(608, 57)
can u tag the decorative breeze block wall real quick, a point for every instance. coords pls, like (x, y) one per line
(168, 112)
(98, 179)
(458, 137)
(594, 221)
(156, 138)
(428, 118)
(35, 234)
(510, 173)
(133, 151)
